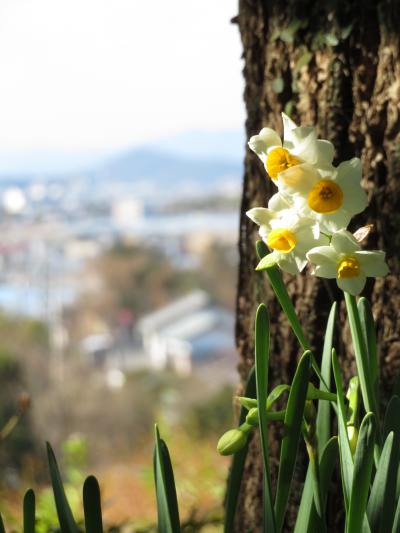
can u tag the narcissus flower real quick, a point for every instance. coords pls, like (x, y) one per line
(288, 236)
(331, 198)
(300, 145)
(344, 260)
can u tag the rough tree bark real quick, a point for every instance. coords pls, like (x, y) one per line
(334, 64)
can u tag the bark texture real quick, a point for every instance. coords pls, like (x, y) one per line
(335, 64)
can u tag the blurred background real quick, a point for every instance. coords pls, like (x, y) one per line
(121, 146)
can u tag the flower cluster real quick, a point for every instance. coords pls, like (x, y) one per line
(306, 219)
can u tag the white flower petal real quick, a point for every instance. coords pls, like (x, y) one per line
(323, 255)
(349, 171)
(355, 199)
(326, 151)
(334, 222)
(288, 127)
(267, 138)
(328, 270)
(352, 285)
(261, 215)
(373, 263)
(278, 202)
(298, 179)
(305, 146)
(344, 242)
(287, 263)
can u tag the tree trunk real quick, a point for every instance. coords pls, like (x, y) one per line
(335, 65)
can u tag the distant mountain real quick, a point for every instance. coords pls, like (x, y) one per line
(222, 145)
(165, 168)
(228, 144)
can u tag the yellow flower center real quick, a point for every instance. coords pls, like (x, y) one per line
(348, 267)
(325, 197)
(278, 160)
(282, 239)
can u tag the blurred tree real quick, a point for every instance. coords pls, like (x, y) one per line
(335, 64)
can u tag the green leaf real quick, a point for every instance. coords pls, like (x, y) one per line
(65, 518)
(261, 365)
(324, 408)
(396, 523)
(362, 362)
(267, 261)
(2, 530)
(382, 504)
(286, 303)
(346, 458)
(92, 506)
(369, 334)
(275, 394)
(238, 462)
(29, 511)
(167, 503)
(308, 520)
(290, 442)
(363, 462)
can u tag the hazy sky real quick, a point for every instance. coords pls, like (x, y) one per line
(101, 74)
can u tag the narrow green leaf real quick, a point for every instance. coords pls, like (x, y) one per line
(65, 518)
(324, 408)
(167, 503)
(382, 503)
(346, 458)
(392, 419)
(238, 462)
(92, 506)
(308, 520)
(363, 462)
(275, 394)
(361, 355)
(369, 334)
(2, 530)
(29, 511)
(286, 303)
(261, 366)
(396, 522)
(290, 442)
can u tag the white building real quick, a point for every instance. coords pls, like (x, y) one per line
(186, 333)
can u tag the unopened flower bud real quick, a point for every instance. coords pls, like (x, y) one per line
(252, 417)
(352, 433)
(231, 442)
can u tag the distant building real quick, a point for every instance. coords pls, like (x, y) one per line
(187, 333)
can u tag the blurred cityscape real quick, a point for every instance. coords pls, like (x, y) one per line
(117, 284)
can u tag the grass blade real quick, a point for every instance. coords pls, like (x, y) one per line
(346, 459)
(167, 503)
(92, 506)
(324, 408)
(261, 368)
(2, 530)
(65, 518)
(238, 462)
(29, 511)
(290, 442)
(363, 462)
(368, 331)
